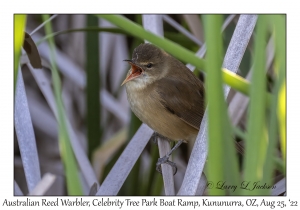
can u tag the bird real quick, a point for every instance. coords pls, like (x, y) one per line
(164, 94)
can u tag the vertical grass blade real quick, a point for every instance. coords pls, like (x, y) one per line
(19, 28)
(256, 144)
(232, 60)
(67, 155)
(272, 134)
(216, 104)
(281, 112)
(279, 22)
(279, 35)
(93, 86)
(26, 137)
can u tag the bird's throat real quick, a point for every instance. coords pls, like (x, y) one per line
(134, 73)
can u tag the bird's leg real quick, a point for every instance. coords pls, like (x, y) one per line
(166, 160)
(154, 137)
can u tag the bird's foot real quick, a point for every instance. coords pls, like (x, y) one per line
(166, 160)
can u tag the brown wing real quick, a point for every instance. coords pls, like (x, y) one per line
(183, 98)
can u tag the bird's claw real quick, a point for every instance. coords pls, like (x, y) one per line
(165, 160)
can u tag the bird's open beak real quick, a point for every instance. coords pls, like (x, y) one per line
(135, 72)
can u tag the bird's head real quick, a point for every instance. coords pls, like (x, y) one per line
(147, 65)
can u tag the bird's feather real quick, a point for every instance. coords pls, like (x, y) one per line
(181, 100)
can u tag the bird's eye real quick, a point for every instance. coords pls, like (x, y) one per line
(149, 65)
